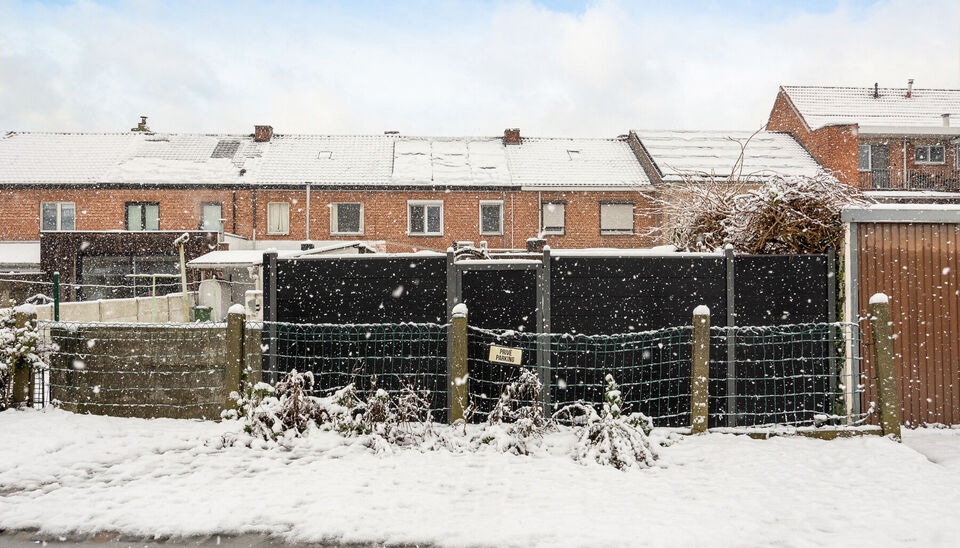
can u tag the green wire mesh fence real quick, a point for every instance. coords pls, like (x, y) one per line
(799, 375)
(392, 357)
(774, 375)
(652, 369)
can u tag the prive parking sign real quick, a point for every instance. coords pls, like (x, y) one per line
(502, 354)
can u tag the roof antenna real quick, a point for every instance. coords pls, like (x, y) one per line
(876, 90)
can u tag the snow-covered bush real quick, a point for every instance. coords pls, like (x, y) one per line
(797, 214)
(612, 438)
(516, 423)
(289, 410)
(20, 347)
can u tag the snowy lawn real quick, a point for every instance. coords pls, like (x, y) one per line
(69, 474)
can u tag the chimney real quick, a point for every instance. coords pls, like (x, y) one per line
(142, 126)
(909, 88)
(946, 119)
(876, 90)
(511, 136)
(391, 132)
(262, 134)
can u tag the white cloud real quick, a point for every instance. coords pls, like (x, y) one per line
(466, 69)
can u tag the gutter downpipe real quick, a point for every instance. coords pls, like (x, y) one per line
(308, 212)
(903, 183)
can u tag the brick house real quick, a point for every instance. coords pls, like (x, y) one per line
(878, 139)
(266, 190)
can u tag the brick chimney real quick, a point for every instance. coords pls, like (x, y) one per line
(262, 134)
(142, 126)
(909, 88)
(511, 136)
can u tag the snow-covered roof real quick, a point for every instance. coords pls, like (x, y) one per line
(831, 105)
(332, 160)
(565, 163)
(715, 153)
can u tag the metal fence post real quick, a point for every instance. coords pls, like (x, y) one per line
(700, 370)
(458, 373)
(22, 393)
(269, 267)
(543, 331)
(56, 296)
(883, 362)
(731, 338)
(235, 358)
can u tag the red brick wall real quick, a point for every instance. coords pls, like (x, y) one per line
(385, 214)
(835, 147)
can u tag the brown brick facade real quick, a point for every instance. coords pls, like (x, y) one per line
(835, 147)
(384, 214)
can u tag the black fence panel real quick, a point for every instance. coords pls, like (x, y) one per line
(354, 289)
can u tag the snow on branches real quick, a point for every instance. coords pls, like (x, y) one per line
(797, 214)
(19, 347)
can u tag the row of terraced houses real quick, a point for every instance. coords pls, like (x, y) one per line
(102, 207)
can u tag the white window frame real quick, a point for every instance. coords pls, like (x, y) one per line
(425, 204)
(286, 207)
(334, 224)
(563, 228)
(916, 148)
(869, 157)
(480, 213)
(618, 231)
(59, 217)
(218, 221)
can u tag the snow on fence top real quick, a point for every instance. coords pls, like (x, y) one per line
(831, 105)
(680, 154)
(334, 160)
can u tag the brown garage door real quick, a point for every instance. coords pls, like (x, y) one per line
(916, 265)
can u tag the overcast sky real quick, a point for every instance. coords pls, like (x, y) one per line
(452, 68)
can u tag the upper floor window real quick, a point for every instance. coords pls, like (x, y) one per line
(210, 217)
(553, 217)
(346, 218)
(865, 163)
(143, 216)
(425, 218)
(58, 216)
(278, 218)
(928, 154)
(491, 217)
(616, 218)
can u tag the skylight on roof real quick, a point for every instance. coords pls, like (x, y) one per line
(325, 155)
(225, 148)
(574, 154)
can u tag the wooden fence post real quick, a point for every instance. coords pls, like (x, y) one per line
(22, 394)
(700, 370)
(458, 363)
(883, 362)
(235, 350)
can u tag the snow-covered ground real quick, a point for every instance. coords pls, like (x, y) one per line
(69, 474)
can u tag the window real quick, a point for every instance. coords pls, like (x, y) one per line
(553, 217)
(278, 218)
(143, 216)
(226, 148)
(211, 214)
(928, 154)
(346, 218)
(616, 218)
(864, 158)
(425, 218)
(58, 216)
(491, 217)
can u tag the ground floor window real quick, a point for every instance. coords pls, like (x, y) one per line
(553, 217)
(143, 216)
(123, 276)
(58, 216)
(278, 218)
(346, 218)
(210, 216)
(491, 217)
(425, 218)
(616, 218)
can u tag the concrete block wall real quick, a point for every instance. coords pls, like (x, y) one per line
(165, 308)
